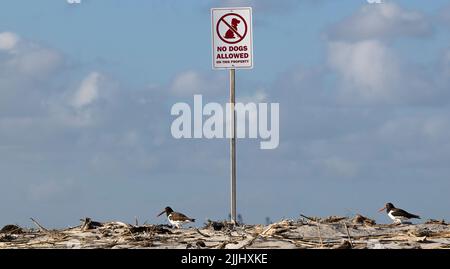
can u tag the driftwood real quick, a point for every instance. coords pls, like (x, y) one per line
(330, 219)
(89, 224)
(344, 245)
(277, 228)
(349, 237)
(433, 221)
(11, 229)
(41, 228)
(202, 234)
(219, 225)
(359, 219)
(331, 232)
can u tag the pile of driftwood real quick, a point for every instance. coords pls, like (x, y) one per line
(307, 232)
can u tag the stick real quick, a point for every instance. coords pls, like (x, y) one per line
(318, 227)
(131, 233)
(42, 228)
(320, 235)
(308, 218)
(249, 243)
(136, 222)
(348, 234)
(198, 231)
(85, 224)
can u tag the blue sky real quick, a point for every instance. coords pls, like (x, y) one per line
(86, 92)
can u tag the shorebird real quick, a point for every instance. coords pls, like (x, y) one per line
(175, 218)
(398, 215)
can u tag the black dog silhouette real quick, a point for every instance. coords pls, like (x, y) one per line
(234, 24)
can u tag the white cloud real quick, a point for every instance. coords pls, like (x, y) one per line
(8, 41)
(27, 73)
(368, 69)
(26, 60)
(259, 96)
(192, 82)
(88, 91)
(36, 62)
(370, 72)
(187, 82)
(381, 21)
(84, 106)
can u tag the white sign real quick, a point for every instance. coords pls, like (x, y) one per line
(232, 37)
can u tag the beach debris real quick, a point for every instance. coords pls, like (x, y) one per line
(330, 219)
(158, 229)
(420, 232)
(360, 219)
(200, 244)
(345, 245)
(333, 219)
(433, 221)
(88, 224)
(422, 239)
(11, 229)
(219, 225)
(41, 228)
(278, 228)
(313, 219)
(343, 234)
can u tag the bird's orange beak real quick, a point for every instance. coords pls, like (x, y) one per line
(382, 209)
(161, 213)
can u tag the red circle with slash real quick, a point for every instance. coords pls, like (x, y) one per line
(230, 27)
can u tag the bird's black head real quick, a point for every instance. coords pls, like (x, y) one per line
(167, 210)
(388, 207)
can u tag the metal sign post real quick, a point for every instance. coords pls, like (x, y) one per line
(233, 144)
(232, 47)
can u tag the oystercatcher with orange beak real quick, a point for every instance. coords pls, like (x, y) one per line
(175, 218)
(398, 215)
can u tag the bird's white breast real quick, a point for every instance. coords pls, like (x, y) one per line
(177, 223)
(396, 218)
(391, 216)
